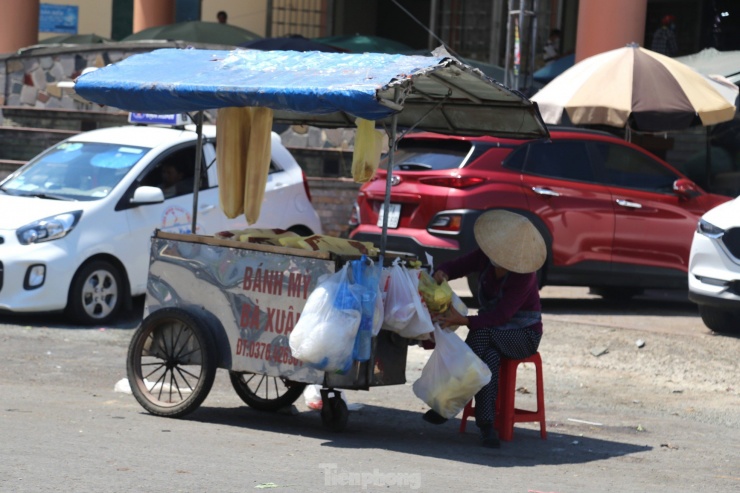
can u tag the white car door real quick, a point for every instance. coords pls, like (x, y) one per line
(174, 214)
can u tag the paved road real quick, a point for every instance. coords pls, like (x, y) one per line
(65, 429)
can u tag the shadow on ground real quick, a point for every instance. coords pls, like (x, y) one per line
(380, 428)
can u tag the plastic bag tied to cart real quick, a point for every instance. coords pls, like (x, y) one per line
(337, 322)
(367, 275)
(406, 313)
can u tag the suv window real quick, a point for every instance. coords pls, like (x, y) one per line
(515, 160)
(627, 168)
(567, 160)
(429, 156)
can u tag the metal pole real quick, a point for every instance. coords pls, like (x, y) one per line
(329, 15)
(432, 24)
(268, 19)
(507, 74)
(494, 49)
(533, 50)
(389, 174)
(709, 160)
(198, 159)
(521, 28)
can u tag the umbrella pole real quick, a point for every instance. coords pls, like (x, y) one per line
(388, 176)
(709, 161)
(198, 159)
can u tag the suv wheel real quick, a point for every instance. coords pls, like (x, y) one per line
(724, 321)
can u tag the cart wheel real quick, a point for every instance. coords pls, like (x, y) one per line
(334, 413)
(171, 364)
(265, 393)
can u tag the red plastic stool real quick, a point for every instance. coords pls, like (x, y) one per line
(506, 412)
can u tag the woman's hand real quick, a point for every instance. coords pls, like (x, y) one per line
(450, 318)
(440, 277)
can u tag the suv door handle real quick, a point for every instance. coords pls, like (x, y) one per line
(627, 203)
(545, 191)
(207, 207)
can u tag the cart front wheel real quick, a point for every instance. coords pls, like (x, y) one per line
(334, 412)
(171, 364)
(265, 393)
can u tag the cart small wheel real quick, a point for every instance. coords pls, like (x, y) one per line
(265, 393)
(171, 364)
(334, 414)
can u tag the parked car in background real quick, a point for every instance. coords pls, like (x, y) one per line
(714, 268)
(614, 217)
(77, 219)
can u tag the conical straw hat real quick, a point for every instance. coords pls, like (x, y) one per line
(511, 241)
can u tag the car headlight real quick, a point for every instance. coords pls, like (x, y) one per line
(49, 228)
(708, 229)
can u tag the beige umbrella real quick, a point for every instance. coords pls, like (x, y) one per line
(635, 86)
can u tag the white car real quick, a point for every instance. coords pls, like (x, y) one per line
(714, 268)
(77, 220)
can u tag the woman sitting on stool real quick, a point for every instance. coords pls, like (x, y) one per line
(509, 322)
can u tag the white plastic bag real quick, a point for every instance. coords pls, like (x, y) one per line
(420, 325)
(325, 334)
(399, 298)
(461, 308)
(312, 396)
(452, 376)
(379, 314)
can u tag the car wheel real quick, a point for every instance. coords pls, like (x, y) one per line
(96, 293)
(723, 321)
(615, 293)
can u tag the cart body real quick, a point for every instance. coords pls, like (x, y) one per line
(250, 297)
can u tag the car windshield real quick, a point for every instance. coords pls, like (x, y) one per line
(429, 155)
(75, 171)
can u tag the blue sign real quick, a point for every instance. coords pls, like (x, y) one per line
(58, 18)
(154, 119)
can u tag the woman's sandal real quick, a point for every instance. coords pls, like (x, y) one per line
(489, 438)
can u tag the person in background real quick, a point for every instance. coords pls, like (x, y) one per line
(664, 38)
(222, 17)
(509, 321)
(552, 47)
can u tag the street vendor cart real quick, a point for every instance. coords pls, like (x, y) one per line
(217, 303)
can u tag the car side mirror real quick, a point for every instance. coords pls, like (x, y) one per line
(685, 188)
(147, 195)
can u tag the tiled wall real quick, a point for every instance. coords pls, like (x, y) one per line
(31, 81)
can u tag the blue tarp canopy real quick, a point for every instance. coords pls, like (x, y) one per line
(433, 93)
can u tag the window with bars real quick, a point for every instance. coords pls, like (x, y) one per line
(466, 27)
(305, 17)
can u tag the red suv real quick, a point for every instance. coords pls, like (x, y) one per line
(615, 218)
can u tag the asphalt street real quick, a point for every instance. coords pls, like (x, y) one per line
(65, 428)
